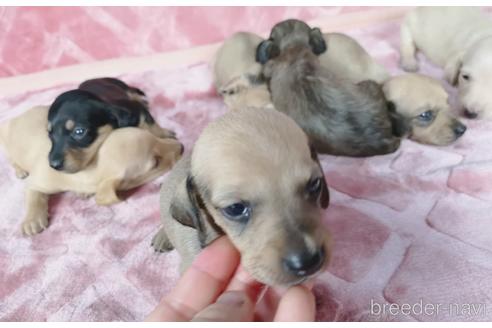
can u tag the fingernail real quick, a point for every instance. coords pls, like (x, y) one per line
(234, 298)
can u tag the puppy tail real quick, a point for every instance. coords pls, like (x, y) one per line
(399, 124)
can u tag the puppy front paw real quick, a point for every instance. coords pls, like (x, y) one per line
(20, 173)
(409, 65)
(34, 226)
(161, 242)
(107, 199)
(235, 86)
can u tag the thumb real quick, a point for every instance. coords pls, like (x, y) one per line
(230, 306)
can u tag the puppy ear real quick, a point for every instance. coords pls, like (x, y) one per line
(266, 50)
(452, 70)
(119, 115)
(400, 125)
(316, 41)
(189, 210)
(324, 198)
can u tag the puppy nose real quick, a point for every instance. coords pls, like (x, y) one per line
(470, 115)
(304, 263)
(57, 164)
(459, 129)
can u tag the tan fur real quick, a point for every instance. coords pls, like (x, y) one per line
(348, 59)
(237, 74)
(78, 159)
(458, 39)
(414, 94)
(258, 155)
(129, 157)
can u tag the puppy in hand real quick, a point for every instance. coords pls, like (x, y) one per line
(253, 176)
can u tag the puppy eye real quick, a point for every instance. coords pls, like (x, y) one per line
(313, 187)
(79, 133)
(465, 77)
(426, 116)
(237, 212)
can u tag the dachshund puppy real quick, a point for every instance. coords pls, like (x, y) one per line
(252, 176)
(237, 75)
(458, 39)
(423, 103)
(128, 158)
(340, 117)
(80, 120)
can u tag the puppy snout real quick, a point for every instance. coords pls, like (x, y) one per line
(56, 163)
(304, 263)
(459, 129)
(469, 114)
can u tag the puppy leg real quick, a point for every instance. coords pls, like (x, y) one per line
(159, 132)
(161, 242)
(20, 172)
(408, 50)
(106, 192)
(36, 219)
(156, 130)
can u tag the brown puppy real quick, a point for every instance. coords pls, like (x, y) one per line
(129, 157)
(237, 75)
(423, 103)
(253, 176)
(341, 118)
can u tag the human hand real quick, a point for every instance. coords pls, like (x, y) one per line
(216, 288)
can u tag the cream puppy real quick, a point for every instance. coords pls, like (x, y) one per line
(253, 176)
(129, 157)
(458, 39)
(237, 74)
(423, 105)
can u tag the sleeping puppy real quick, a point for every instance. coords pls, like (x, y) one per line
(458, 39)
(340, 117)
(252, 176)
(423, 103)
(80, 120)
(346, 58)
(128, 158)
(237, 75)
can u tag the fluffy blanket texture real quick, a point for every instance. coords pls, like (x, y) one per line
(413, 227)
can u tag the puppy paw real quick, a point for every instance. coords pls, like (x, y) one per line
(34, 226)
(107, 199)
(235, 86)
(20, 172)
(161, 242)
(84, 196)
(409, 65)
(168, 134)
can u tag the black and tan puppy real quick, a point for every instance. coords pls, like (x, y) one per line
(252, 176)
(340, 117)
(128, 158)
(80, 120)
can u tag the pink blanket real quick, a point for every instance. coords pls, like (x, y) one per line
(412, 228)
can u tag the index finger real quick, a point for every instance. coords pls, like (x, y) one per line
(201, 284)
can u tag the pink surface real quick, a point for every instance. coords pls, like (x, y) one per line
(39, 38)
(410, 227)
